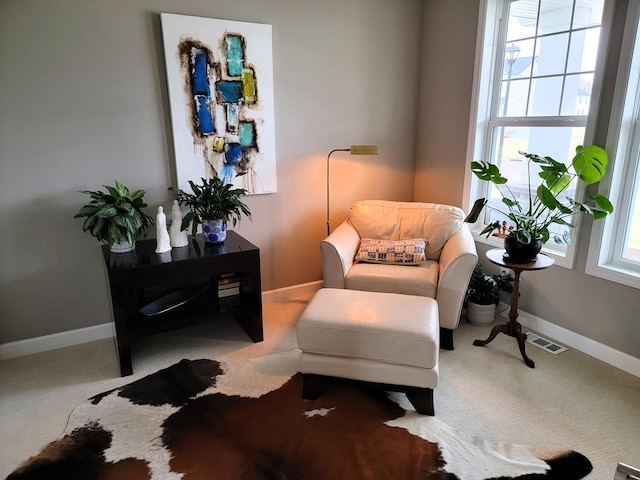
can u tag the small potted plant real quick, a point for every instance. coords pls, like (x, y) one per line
(483, 295)
(213, 204)
(532, 219)
(116, 217)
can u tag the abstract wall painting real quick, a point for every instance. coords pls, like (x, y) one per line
(220, 79)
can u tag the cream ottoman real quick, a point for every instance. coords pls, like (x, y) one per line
(383, 338)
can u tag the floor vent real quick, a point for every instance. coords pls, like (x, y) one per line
(545, 344)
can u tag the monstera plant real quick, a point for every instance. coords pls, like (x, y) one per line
(546, 205)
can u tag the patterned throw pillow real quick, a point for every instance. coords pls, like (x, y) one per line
(407, 252)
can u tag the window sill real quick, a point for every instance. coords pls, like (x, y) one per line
(615, 273)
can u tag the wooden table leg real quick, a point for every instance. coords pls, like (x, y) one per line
(512, 327)
(521, 337)
(494, 332)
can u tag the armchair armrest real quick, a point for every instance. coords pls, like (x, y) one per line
(338, 251)
(457, 260)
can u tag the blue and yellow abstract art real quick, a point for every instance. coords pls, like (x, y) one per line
(220, 79)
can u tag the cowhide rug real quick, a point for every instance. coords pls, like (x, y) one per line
(206, 419)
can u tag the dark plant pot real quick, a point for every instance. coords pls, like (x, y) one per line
(521, 252)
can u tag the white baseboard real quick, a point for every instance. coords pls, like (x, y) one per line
(288, 293)
(602, 352)
(56, 340)
(69, 338)
(571, 339)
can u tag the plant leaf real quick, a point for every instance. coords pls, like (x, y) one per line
(86, 211)
(603, 202)
(511, 203)
(476, 210)
(107, 211)
(488, 172)
(547, 198)
(523, 236)
(590, 163)
(121, 189)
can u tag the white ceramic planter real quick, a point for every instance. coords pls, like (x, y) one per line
(122, 247)
(480, 315)
(214, 231)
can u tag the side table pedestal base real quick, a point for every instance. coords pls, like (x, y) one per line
(513, 329)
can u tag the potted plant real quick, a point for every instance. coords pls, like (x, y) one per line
(213, 204)
(483, 295)
(545, 206)
(116, 217)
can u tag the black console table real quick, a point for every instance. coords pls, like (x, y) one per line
(142, 280)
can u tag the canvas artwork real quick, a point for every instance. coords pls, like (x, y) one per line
(220, 79)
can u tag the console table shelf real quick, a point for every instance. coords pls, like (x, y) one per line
(188, 276)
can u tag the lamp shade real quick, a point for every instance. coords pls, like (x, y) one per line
(364, 150)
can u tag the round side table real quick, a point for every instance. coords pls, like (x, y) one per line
(513, 327)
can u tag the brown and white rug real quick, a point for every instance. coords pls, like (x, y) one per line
(245, 419)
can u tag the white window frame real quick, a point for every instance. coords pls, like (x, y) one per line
(489, 46)
(605, 250)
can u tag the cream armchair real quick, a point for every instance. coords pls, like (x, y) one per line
(450, 255)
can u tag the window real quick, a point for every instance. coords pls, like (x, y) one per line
(614, 251)
(535, 90)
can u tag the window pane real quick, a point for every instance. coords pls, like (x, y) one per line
(556, 142)
(518, 59)
(632, 241)
(583, 50)
(513, 98)
(545, 96)
(588, 13)
(546, 48)
(577, 94)
(551, 53)
(522, 19)
(556, 15)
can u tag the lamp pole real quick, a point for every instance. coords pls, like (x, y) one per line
(354, 150)
(328, 156)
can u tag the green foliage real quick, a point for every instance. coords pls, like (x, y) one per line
(211, 200)
(532, 221)
(115, 215)
(485, 289)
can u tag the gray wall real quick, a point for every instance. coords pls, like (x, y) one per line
(83, 101)
(445, 99)
(598, 309)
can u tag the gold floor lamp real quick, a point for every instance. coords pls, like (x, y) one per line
(354, 150)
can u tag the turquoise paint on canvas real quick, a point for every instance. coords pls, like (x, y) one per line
(235, 55)
(247, 134)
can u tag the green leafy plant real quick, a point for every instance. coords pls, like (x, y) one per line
(485, 289)
(115, 215)
(211, 200)
(545, 206)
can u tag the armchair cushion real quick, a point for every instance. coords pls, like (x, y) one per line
(421, 280)
(407, 252)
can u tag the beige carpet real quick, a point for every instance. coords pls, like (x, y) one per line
(569, 399)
